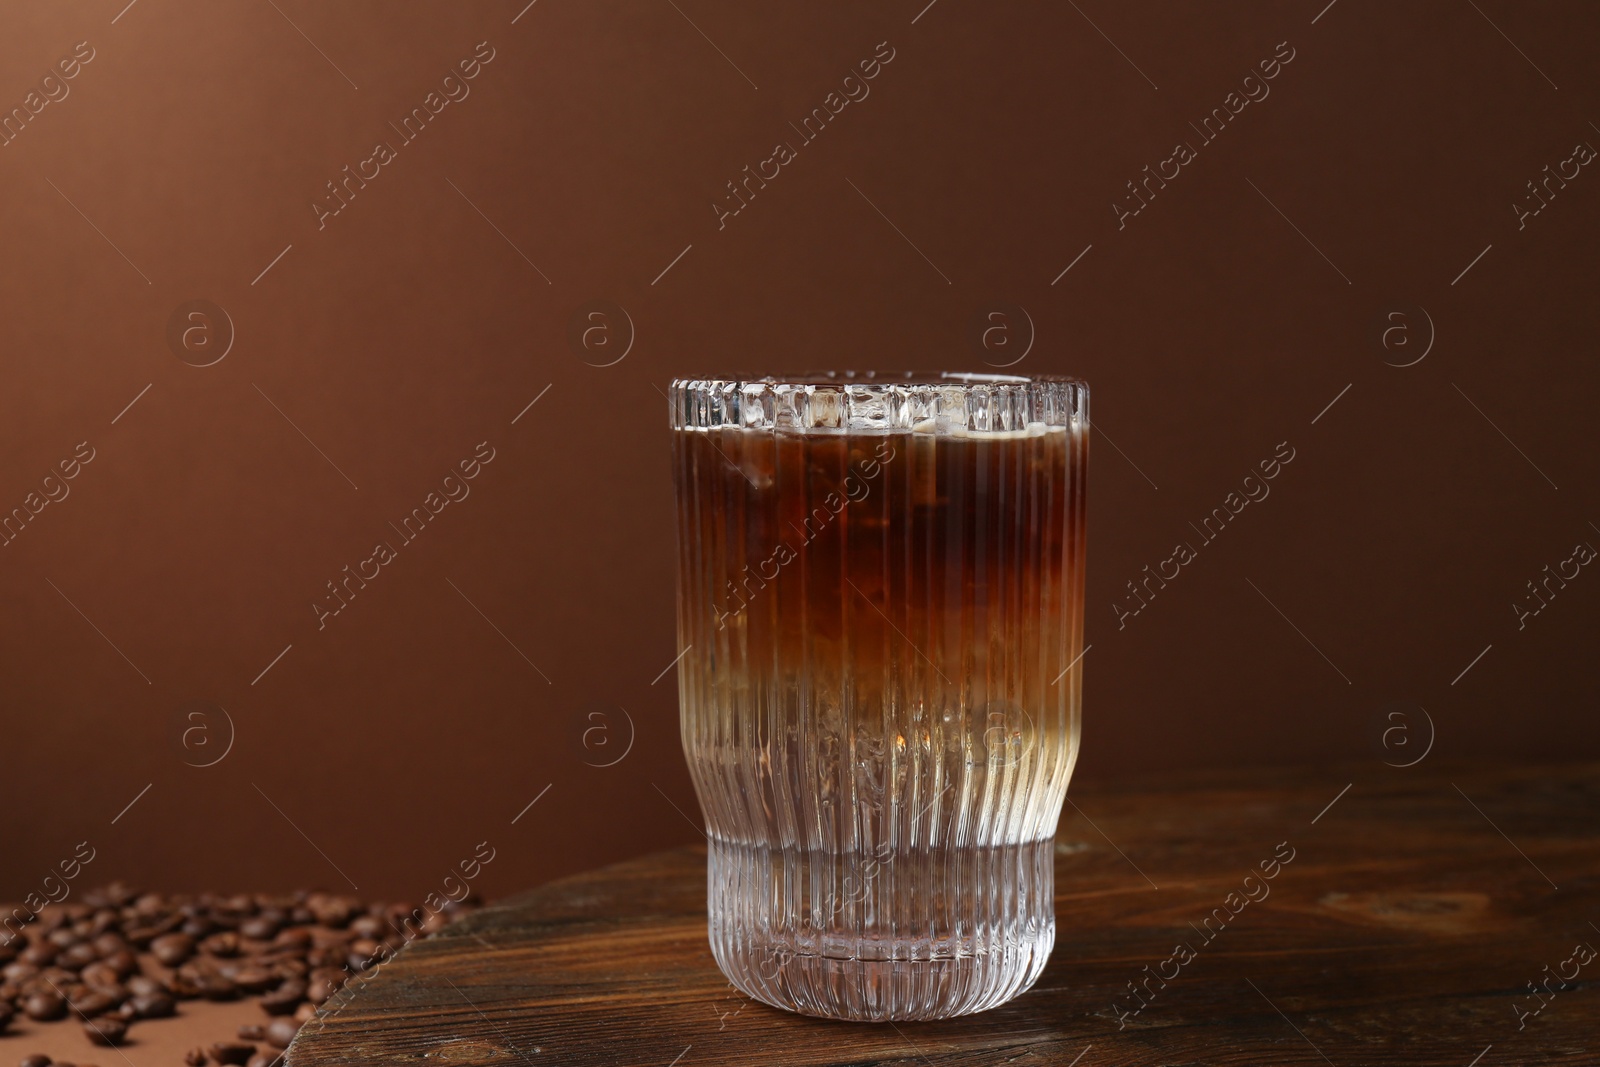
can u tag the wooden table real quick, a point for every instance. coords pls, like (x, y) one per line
(1418, 907)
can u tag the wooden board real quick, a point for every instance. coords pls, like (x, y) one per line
(1406, 929)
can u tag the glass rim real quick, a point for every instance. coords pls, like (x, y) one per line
(944, 403)
(880, 380)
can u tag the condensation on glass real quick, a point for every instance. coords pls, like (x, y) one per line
(880, 590)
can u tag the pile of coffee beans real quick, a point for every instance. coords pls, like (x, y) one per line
(115, 956)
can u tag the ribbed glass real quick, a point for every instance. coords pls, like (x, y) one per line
(880, 589)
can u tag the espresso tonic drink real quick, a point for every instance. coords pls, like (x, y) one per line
(880, 602)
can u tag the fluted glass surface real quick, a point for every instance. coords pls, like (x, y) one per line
(880, 593)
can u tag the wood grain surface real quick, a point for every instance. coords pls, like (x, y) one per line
(1417, 908)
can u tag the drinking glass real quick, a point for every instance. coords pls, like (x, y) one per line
(880, 602)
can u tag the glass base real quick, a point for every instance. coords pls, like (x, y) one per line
(929, 935)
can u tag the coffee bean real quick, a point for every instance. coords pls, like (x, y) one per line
(139, 937)
(44, 1007)
(105, 1031)
(252, 1032)
(58, 975)
(359, 960)
(93, 1003)
(231, 1052)
(29, 986)
(63, 937)
(368, 926)
(285, 998)
(156, 1005)
(54, 980)
(195, 1057)
(268, 955)
(263, 927)
(281, 1031)
(142, 985)
(254, 979)
(38, 1059)
(224, 944)
(39, 953)
(102, 975)
(168, 923)
(77, 956)
(332, 911)
(172, 949)
(305, 1013)
(19, 971)
(297, 937)
(7, 1013)
(124, 962)
(293, 967)
(326, 956)
(121, 894)
(184, 987)
(216, 987)
(108, 942)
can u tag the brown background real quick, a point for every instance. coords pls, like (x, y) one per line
(408, 330)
